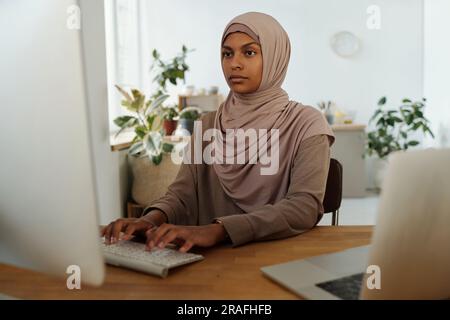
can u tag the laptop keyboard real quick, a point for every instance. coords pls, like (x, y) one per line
(346, 288)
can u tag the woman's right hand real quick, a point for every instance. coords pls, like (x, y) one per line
(129, 226)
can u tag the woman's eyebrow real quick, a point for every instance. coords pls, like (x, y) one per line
(243, 46)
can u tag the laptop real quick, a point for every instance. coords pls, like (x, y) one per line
(409, 254)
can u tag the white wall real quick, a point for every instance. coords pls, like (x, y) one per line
(390, 62)
(437, 69)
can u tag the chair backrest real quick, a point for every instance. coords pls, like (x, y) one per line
(333, 192)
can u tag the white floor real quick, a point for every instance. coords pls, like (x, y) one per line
(355, 211)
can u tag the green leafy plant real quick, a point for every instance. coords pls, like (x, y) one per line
(393, 127)
(145, 122)
(191, 113)
(169, 113)
(147, 115)
(169, 71)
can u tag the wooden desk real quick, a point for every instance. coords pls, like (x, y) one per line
(226, 273)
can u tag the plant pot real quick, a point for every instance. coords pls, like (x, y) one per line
(187, 124)
(330, 118)
(149, 181)
(380, 167)
(169, 126)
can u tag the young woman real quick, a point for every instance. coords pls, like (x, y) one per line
(209, 204)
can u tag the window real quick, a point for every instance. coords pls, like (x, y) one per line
(123, 22)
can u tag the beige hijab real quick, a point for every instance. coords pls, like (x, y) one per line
(267, 108)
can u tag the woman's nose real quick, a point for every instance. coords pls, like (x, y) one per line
(236, 63)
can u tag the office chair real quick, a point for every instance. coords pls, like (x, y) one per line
(333, 192)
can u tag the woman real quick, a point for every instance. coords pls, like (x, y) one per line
(209, 204)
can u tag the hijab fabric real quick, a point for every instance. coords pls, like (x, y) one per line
(267, 108)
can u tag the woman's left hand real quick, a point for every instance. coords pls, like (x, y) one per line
(185, 236)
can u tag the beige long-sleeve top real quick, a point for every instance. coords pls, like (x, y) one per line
(196, 197)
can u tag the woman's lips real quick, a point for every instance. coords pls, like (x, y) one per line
(237, 80)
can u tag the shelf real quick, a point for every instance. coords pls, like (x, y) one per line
(348, 127)
(123, 140)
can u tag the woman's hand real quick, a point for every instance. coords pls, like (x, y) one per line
(129, 226)
(185, 236)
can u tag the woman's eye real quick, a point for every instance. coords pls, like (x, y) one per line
(227, 54)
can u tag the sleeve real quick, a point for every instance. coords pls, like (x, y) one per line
(302, 207)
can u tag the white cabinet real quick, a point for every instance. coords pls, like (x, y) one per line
(348, 149)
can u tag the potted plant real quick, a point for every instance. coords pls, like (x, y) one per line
(169, 121)
(151, 172)
(326, 109)
(146, 120)
(169, 71)
(146, 124)
(393, 131)
(187, 118)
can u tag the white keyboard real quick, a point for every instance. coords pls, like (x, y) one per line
(157, 261)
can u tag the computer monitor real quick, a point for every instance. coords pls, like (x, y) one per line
(48, 202)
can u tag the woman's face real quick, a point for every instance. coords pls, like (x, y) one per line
(242, 62)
